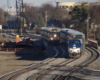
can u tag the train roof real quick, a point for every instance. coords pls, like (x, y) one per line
(72, 31)
(51, 29)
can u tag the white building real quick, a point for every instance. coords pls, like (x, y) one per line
(65, 5)
(11, 10)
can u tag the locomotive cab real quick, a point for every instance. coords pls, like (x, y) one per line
(75, 47)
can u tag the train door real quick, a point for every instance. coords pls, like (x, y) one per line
(62, 37)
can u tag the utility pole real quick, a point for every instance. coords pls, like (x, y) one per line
(88, 26)
(46, 18)
(88, 18)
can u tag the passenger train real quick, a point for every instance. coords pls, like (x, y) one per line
(50, 34)
(67, 34)
(74, 39)
(76, 47)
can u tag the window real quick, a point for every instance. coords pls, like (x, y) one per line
(66, 6)
(54, 30)
(71, 42)
(94, 6)
(71, 6)
(62, 6)
(77, 42)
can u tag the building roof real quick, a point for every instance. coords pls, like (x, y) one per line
(65, 3)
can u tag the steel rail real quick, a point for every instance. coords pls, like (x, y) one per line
(47, 70)
(12, 78)
(94, 56)
(58, 66)
(6, 77)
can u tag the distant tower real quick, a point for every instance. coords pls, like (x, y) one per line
(55, 3)
(8, 1)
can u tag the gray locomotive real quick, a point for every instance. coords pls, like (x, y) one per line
(50, 34)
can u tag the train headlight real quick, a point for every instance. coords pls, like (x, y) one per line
(55, 35)
(51, 38)
(70, 49)
(78, 50)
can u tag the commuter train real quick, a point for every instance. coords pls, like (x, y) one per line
(75, 41)
(76, 47)
(67, 34)
(50, 34)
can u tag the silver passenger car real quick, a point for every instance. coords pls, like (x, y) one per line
(67, 34)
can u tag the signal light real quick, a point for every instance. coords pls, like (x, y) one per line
(51, 35)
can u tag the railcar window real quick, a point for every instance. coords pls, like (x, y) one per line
(77, 42)
(74, 42)
(54, 30)
(79, 36)
(71, 42)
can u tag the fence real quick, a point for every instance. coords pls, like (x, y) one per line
(15, 50)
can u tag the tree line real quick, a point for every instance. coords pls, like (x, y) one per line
(3, 16)
(78, 15)
(53, 14)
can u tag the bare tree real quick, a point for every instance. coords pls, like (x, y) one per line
(46, 7)
(53, 12)
(94, 12)
(2, 19)
(30, 13)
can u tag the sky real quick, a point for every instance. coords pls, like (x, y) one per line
(3, 3)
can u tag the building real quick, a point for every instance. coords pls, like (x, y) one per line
(69, 5)
(11, 10)
(65, 5)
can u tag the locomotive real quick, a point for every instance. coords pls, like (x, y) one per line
(75, 41)
(50, 34)
(76, 47)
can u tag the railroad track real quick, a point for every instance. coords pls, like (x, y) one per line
(68, 74)
(63, 75)
(15, 74)
(38, 76)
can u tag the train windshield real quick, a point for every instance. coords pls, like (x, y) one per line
(74, 42)
(77, 43)
(54, 30)
(57, 33)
